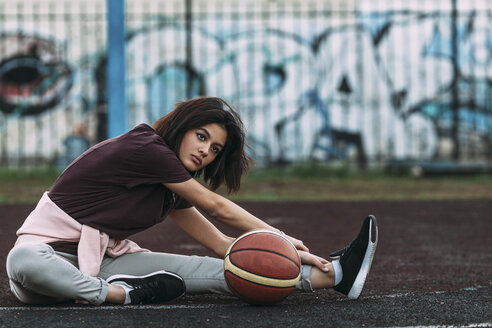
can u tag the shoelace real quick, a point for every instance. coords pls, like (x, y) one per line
(146, 291)
(347, 250)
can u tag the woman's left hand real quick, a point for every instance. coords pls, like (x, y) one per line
(297, 243)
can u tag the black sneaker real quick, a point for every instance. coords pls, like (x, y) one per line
(356, 259)
(160, 286)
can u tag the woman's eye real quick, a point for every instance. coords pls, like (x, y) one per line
(215, 150)
(200, 136)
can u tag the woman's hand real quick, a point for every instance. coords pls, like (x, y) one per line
(314, 260)
(306, 257)
(297, 243)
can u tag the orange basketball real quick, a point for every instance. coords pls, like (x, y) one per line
(262, 267)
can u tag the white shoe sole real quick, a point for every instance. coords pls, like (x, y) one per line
(360, 280)
(127, 276)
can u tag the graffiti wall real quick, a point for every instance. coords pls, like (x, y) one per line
(312, 79)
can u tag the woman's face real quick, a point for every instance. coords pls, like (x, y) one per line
(200, 146)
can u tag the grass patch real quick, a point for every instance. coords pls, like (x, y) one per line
(25, 186)
(308, 181)
(320, 182)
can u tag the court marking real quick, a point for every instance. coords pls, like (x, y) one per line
(208, 306)
(470, 325)
(437, 292)
(108, 307)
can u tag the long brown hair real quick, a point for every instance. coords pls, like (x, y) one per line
(232, 162)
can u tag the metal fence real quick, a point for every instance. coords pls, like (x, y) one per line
(351, 81)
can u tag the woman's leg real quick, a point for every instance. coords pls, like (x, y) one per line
(201, 274)
(39, 275)
(321, 279)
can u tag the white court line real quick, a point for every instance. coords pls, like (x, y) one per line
(109, 307)
(470, 325)
(470, 288)
(208, 306)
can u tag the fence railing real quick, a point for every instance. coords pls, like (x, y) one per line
(324, 80)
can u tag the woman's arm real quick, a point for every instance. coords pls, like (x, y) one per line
(217, 207)
(191, 221)
(221, 209)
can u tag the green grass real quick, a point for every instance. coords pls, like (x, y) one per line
(309, 181)
(21, 186)
(313, 181)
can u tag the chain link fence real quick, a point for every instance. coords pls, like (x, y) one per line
(368, 82)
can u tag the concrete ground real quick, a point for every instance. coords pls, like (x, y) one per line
(433, 268)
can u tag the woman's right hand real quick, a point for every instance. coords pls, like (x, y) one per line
(314, 260)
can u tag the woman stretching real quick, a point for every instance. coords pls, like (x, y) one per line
(73, 245)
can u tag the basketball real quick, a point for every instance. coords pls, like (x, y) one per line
(262, 267)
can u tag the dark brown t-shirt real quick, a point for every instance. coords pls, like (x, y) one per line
(117, 185)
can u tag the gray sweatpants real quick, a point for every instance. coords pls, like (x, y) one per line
(39, 275)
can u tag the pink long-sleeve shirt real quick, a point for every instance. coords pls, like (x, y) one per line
(48, 223)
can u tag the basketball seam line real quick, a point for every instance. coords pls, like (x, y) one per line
(258, 274)
(257, 283)
(255, 276)
(263, 250)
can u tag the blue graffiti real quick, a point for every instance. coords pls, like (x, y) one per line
(358, 87)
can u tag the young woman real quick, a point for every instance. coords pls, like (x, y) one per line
(73, 245)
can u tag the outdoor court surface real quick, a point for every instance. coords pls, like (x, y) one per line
(432, 268)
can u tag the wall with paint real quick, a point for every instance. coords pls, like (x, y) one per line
(326, 80)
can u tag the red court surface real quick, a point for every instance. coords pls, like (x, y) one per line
(433, 267)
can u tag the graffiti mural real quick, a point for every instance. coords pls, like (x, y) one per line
(381, 85)
(33, 77)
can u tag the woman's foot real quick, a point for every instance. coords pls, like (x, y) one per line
(160, 286)
(356, 259)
